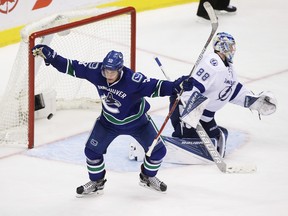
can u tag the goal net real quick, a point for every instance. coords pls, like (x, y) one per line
(35, 90)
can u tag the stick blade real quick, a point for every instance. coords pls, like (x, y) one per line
(241, 169)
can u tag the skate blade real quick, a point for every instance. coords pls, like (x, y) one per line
(150, 188)
(92, 194)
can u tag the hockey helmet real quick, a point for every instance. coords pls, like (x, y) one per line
(113, 61)
(225, 44)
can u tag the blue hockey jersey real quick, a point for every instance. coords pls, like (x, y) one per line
(123, 103)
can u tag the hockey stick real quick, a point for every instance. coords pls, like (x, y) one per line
(214, 24)
(223, 167)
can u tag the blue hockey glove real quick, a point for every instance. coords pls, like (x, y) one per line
(45, 52)
(188, 84)
(184, 82)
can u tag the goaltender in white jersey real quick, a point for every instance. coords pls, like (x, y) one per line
(217, 81)
(215, 84)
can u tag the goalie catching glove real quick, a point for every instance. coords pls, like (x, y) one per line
(265, 103)
(45, 52)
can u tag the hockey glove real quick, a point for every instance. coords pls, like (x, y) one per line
(45, 52)
(184, 82)
(265, 103)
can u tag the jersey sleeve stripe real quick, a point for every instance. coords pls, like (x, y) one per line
(156, 93)
(237, 90)
(199, 86)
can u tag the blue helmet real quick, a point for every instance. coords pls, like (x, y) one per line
(113, 61)
(225, 44)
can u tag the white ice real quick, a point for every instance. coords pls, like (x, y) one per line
(42, 181)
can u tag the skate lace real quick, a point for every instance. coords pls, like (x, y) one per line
(154, 181)
(90, 185)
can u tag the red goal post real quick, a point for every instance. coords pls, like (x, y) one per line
(79, 35)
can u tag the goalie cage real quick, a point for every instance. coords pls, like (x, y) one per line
(85, 35)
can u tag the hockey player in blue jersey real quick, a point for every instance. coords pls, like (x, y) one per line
(215, 80)
(124, 112)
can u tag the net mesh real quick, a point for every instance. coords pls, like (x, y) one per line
(88, 43)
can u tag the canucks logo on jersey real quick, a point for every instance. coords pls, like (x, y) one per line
(110, 103)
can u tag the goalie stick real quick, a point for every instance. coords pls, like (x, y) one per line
(214, 24)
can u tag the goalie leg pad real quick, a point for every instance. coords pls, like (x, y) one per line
(221, 144)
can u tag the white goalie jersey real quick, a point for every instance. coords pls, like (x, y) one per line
(219, 83)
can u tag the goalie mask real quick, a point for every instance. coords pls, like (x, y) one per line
(113, 62)
(225, 44)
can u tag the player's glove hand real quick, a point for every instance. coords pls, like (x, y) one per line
(188, 84)
(265, 103)
(45, 52)
(184, 82)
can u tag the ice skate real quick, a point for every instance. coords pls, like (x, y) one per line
(91, 187)
(152, 183)
(229, 10)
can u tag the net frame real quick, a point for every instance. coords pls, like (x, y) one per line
(31, 60)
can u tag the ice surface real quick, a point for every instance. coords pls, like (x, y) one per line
(43, 181)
